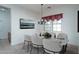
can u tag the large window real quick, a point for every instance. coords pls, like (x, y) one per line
(48, 26)
(57, 25)
(53, 26)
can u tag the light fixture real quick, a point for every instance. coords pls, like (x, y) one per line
(41, 22)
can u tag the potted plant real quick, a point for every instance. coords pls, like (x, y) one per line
(46, 35)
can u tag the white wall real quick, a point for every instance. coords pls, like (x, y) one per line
(69, 22)
(17, 34)
(4, 23)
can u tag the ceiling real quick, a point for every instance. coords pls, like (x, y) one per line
(37, 7)
(32, 7)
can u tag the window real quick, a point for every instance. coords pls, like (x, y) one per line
(48, 26)
(57, 25)
(53, 26)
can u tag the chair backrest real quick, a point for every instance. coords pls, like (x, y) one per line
(27, 37)
(64, 36)
(51, 45)
(36, 40)
(53, 35)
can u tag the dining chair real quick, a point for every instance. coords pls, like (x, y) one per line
(53, 35)
(51, 46)
(27, 41)
(36, 42)
(64, 39)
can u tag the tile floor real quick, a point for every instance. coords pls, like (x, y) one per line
(6, 48)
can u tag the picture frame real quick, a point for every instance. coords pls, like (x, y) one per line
(26, 24)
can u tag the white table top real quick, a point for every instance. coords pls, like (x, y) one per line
(61, 40)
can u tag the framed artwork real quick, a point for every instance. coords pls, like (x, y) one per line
(26, 24)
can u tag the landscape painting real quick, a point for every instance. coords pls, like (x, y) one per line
(26, 24)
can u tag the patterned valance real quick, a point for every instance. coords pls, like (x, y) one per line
(53, 17)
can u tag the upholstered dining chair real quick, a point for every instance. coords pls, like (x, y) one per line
(53, 35)
(36, 42)
(51, 46)
(27, 40)
(64, 39)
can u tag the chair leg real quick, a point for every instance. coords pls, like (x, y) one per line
(63, 49)
(24, 45)
(27, 46)
(37, 50)
(31, 49)
(43, 51)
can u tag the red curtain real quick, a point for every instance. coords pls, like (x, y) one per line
(53, 17)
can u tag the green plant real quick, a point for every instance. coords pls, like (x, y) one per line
(47, 35)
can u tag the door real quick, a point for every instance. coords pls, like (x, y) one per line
(4, 22)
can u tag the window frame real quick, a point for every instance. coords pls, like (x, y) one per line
(57, 23)
(52, 24)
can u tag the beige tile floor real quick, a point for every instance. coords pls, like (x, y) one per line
(6, 48)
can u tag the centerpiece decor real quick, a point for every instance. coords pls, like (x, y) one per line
(46, 35)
